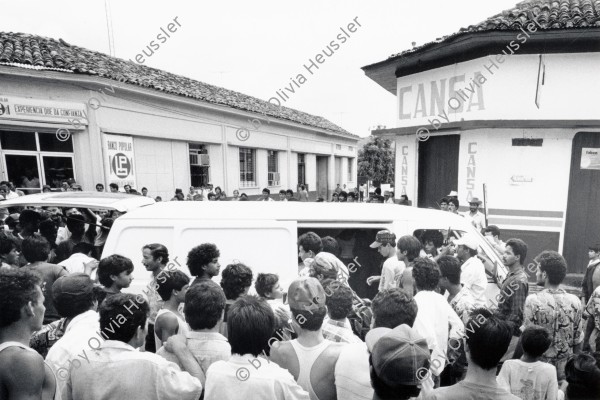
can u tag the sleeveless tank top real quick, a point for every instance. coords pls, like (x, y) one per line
(182, 330)
(17, 344)
(306, 359)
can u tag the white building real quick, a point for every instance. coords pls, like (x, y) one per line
(69, 112)
(512, 103)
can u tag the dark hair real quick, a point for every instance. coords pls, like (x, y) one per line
(114, 186)
(250, 324)
(488, 338)
(17, 288)
(444, 200)
(158, 250)
(144, 188)
(494, 230)
(302, 187)
(173, 280)
(396, 392)
(519, 248)
(432, 235)
(265, 283)
(83, 247)
(68, 305)
(338, 299)
(595, 247)
(310, 320)
(554, 265)
(99, 184)
(211, 195)
(536, 340)
(201, 256)
(127, 311)
(426, 273)
(450, 268)
(330, 245)
(6, 244)
(235, 278)
(394, 307)
(99, 293)
(204, 305)
(282, 192)
(113, 265)
(582, 373)
(310, 241)
(76, 223)
(266, 190)
(411, 245)
(453, 201)
(35, 248)
(351, 194)
(289, 191)
(29, 217)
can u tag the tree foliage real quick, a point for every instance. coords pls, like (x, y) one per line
(376, 160)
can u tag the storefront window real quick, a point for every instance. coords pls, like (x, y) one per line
(33, 159)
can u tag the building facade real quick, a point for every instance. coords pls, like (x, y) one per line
(506, 111)
(68, 112)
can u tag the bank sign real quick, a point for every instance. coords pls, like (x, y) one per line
(22, 109)
(118, 153)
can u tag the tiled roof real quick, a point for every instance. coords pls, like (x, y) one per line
(36, 52)
(551, 15)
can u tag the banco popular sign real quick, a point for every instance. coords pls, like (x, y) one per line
(119, 153)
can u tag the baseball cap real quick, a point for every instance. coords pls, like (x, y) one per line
(72, 286)
(383, 238)
(306, 293)
(397, 354)
(469, 240)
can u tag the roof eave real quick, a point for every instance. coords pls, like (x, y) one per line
(471, 45)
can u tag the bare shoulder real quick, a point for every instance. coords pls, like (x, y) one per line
(281, 350)
(333, 351)
(20, 367)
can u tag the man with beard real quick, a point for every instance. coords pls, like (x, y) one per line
(514, 291)
(476, 218)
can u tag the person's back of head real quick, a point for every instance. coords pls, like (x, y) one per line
(236, 279)
(554, 265)
(330, 245)
(250, 324)
(83, 248)
(131, 315)
(398, 358)
(450, 269)
(338, 299)
(30, 219)
(113, 265)
(306, 298)
(411, 245)
(18, 289)
(583, 377)
(204, 305)
(488, 338)
(171, 283)
(426, 274)
(392, 308)
(76, 224)
(35, 248)
(73, 295)
(535, 341)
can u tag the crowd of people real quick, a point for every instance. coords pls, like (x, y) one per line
(68, 331)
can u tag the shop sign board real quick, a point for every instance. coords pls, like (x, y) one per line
(22, 109)
(119, 156)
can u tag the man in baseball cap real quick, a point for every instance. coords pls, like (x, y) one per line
(472, 275)
(310, 352)
(74, 301)
(399, 362)
(385, 243)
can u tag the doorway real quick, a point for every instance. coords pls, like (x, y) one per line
(322, 173)
(438, 169)
(582, 226)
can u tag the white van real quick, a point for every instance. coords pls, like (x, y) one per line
(264, 235)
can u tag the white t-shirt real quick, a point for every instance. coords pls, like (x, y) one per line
(249, 377)
(76, 263)
(535, 380)
(473, 278)
(392, 268)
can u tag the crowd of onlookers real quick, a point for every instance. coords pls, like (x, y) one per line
(432, 331)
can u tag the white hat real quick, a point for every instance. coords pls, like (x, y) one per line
(469, 240)
(453, 193)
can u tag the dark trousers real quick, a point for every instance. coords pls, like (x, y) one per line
(150, 343)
